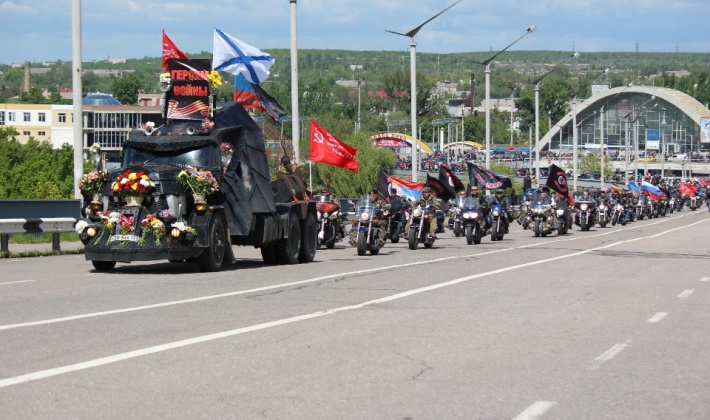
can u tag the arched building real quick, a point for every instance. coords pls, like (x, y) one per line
(651, 118)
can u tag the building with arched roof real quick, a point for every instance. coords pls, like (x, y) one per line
(646, 119)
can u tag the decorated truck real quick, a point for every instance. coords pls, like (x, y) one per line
(193, 187)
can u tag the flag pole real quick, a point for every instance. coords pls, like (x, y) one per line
(310, 176)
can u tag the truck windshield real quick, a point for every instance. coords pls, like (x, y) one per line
(201, 157)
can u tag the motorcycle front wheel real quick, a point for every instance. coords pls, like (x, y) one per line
(537, 227)
(469, 235)
(614, 219)
(457, 229)
(412, 238)
(494, 231)
(362, 244)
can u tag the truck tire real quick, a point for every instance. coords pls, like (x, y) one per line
(104, 265)
(289, 248)
(211, 258)
(309, 239)
(268, 253)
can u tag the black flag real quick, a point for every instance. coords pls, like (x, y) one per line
(486, 179)
(451, 182)
(439, 188)
(557, 180)
(383, 184)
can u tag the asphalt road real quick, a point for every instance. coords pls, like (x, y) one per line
(606, 324)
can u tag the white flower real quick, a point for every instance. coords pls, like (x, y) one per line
(124, 180)
(80, 226)
(180, 225)
(146, 183)
(150, 124)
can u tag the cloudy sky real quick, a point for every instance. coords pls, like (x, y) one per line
(40, 30)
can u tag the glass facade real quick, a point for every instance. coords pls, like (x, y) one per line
(641, 119)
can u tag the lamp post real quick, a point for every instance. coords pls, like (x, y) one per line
(359, 82)
(575, 140)
(629, 123)
(663, 145)
(536, 82)
(412, 34)
(487, 63)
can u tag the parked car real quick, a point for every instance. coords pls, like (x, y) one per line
(678, 157)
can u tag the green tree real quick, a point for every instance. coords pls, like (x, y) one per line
(126, 89)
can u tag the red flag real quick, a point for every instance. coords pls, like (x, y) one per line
(326, 148)
(170, 50)
(687, 189)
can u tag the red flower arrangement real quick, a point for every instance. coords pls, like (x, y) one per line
(132, 184)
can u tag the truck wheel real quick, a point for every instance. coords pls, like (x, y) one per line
(268, 253)
(104, 265)
(309, 239)
(211, 258)
(289, 248)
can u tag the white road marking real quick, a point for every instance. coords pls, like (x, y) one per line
(609, 354)
(15, 282)
(686, 293)
(536, 410)
(704, 278)
(316, 279)
(658, 317)
(201, 339)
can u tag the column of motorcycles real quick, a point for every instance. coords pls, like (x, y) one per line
(473, 218)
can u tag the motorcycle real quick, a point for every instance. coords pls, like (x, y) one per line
(541, 217)
(640, 208)
(419, 220)
(473, 220)
(663, 206)
(618, 215)
(497, 223)
(693, 202)
(563, 217)
(455, 220)
(393, 218)
(585, 216)
(603, 212)
(366, 232)
(330, 228)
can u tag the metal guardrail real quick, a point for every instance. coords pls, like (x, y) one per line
(36, 217)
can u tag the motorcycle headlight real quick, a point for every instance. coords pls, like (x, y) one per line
(474, 215)
(560, 212)
(602, 207)
(417, 212)
(325, 214)
(496, 213)
(584, 207)
(320, 214)
(365, 216)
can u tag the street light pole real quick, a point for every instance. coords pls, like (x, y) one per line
(413, 94)
(487, 63)
(359, 82)
(536, 82)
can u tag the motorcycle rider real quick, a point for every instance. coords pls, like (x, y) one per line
(626, 200)
(483, 203)
(396, 205)
(499, 199)
(374, 201)
(427, 198)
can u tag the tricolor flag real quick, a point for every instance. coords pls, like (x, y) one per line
(251, 95)
(235, 57)
(634, 188)
(410, 189)
(651, 190)
(170, 50)
(326, 148)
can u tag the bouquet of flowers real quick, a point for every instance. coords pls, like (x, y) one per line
(132, 184)
(198, 181)
(215, 79)
(93, 182)
(151, 223)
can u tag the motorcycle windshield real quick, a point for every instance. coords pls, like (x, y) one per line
(458, 202)
(364, 206)
(470, 203)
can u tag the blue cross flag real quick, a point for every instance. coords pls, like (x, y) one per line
(235, 57)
